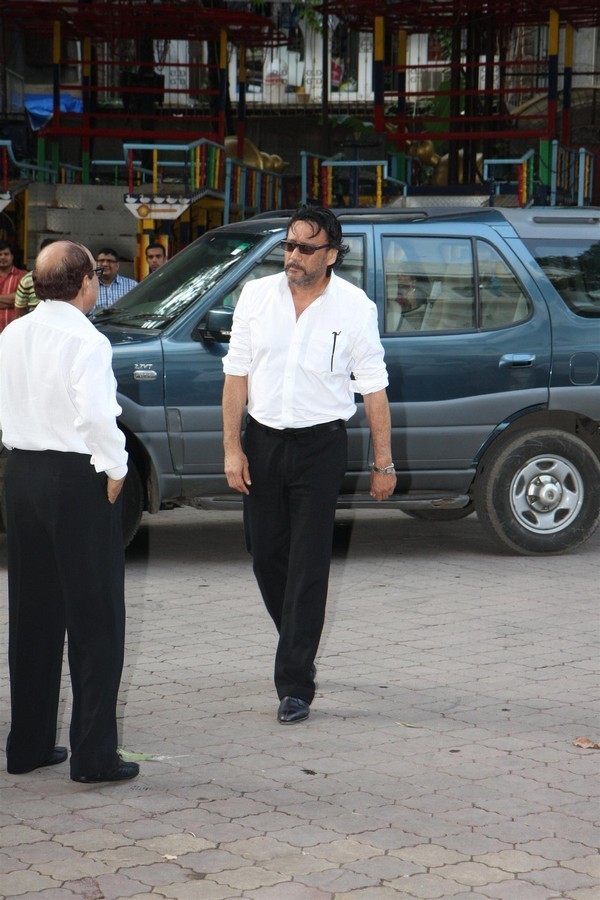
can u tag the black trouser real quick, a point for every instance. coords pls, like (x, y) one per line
(289, 516)
(65, 572)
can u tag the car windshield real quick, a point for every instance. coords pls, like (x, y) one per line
(169, 291)
(573, 267)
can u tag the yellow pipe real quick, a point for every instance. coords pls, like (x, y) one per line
(56, 43)
(402, 47)
(223, 50)
(553, 33)
(379, 49)
(569, 38)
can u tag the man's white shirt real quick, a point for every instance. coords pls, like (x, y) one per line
(66, 400)
(299, 370)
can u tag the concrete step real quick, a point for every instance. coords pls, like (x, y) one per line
(95, 215)
(89, 196)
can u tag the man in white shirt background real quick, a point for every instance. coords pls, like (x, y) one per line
(297, 339)
(63, 483)
(113, 286)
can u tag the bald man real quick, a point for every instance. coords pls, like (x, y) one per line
(63, 481)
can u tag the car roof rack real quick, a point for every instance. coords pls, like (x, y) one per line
(393, 212)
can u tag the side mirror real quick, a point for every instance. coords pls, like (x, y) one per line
(217, 325)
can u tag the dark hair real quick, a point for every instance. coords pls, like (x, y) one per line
(323, 219)
(60, 277)
(108, 251)
(156, 245)
(4, 245)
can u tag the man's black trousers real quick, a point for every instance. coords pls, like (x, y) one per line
(289, 517)
(66, 571)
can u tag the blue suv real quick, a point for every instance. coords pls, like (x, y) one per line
(491, 325)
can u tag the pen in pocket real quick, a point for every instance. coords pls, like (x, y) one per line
(335, 337)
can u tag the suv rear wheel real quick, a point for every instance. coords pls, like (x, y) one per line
(538, 493)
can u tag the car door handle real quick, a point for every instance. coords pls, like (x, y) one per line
(516, 360)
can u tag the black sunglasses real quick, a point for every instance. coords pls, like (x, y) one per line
(305, 249)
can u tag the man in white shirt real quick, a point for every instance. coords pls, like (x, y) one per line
(297, 339)
(63, 483)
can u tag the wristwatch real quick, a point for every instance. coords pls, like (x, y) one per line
(384, 470)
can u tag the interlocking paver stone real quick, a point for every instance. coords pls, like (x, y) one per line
(437, 762)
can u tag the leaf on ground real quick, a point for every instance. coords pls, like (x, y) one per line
(129, 756)
(586, 743)
(406, 725)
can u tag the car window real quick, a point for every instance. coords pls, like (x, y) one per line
(271, 264)
(573, 267)
(429, 284)
(502, 300)
(162, 297)
(352, 269)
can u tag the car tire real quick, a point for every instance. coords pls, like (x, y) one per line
(441, 515)
(133, 503)
(538, 493)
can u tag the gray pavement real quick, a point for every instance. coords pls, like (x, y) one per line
(438, 760)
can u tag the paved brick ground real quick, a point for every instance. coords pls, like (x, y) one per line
(438, 761)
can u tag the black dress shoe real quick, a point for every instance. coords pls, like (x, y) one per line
(292, 709)
(122, 772)
(58, 755)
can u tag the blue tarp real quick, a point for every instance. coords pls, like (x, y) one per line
(40, 106)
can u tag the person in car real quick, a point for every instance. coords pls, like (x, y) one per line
(303, 342)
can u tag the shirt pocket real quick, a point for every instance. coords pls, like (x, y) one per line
(328, 354)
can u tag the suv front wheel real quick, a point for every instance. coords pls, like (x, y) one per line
(539, 492)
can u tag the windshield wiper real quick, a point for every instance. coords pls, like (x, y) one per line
(132, 317)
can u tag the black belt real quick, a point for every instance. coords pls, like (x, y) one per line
(298, 432)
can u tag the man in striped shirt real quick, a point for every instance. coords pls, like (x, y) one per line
(112, 285)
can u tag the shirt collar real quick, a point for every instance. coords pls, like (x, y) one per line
(286, 292)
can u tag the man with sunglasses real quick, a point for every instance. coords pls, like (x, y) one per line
(303, 343)
(58, 415)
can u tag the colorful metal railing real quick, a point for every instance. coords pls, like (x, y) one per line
(568, 172)
(332, 181)
(500, 174)
(249, 190)
(53, 173)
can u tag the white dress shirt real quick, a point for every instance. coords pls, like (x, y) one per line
(299, 369)
(57, 388)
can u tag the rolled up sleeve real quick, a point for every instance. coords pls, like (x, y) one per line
(239, 357)
(369, 369)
